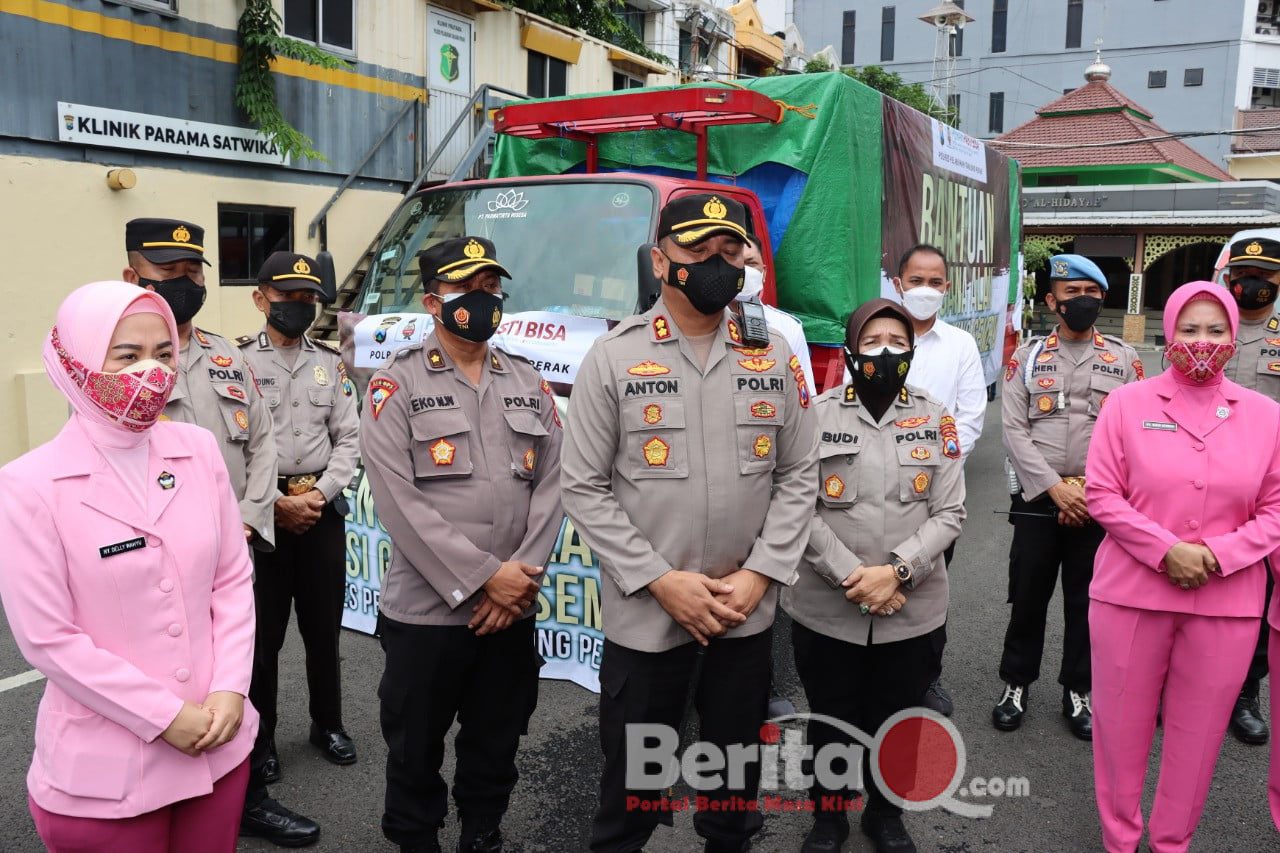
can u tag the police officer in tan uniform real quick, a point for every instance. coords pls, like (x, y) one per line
(1053, 390)
(461, 444)
(870, 606)
(689, 466)
(317, 437)
(216, 390)
(1253, 277)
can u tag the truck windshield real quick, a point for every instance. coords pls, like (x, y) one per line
(570, 246)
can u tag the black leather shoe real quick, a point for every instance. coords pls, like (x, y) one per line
(887, 833)
(1007, 715)
(334, 745)
(939, 699)
(270, 771)
(1247, 723)
(488, 840)
(714, 846)
(1077, 709)
(827, 836)
(281, 826)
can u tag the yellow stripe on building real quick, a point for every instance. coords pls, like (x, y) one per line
(122, 30)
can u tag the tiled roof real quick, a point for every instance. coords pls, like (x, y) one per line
(1265, 141)
(1097, 112)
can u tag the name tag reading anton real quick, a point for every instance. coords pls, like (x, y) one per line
(122, 547)
(1167, 427)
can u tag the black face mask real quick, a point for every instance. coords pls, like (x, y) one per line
(1080, 312)
(878, 377)
(474, 315)
(183, 295)
(1253, 292)
(710, 285)
(291, 318)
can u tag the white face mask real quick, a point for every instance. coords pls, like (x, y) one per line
(922, 302)
(752, 284)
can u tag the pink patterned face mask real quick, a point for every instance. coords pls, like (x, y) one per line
(133, 397)
(1199, 361)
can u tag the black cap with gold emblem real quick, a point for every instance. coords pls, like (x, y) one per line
(291, 271)
(690, 219)
(459, 258)
(1260, 252)
(163, 241)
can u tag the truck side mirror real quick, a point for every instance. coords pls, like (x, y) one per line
(650, 287)
(328, 278)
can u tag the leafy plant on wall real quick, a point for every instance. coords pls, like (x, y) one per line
(261, 42)
(598, 18)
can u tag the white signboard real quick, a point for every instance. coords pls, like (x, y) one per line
(142, 132)
(554, 343)
(448, 52)
(958, 152)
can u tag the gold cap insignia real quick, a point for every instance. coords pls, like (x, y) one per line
(1254, 248)
(1059, 268)
(715, 209)
(473, 250)
(302, 267)
(182, 235)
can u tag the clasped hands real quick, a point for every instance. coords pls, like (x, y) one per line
(707, 607)
(875, 589)
(199, 728)
(507, 594)
(1073, 510)
(299, 513)
(1189, 564)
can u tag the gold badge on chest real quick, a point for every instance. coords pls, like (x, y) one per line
(322, 376)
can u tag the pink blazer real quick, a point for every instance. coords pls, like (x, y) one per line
(1160, 471)
(128, 613)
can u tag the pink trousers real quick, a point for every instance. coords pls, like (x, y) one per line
(207, 824)
(1273, 777)
(1196, 664)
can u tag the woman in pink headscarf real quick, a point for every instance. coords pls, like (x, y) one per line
(126, 580)
(1184, 476)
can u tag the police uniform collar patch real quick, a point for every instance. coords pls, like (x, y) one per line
(435, 359)
(264, 340)
(850, 395)
(904, 398)
(1273, 324)
(1051, 342)
(307, 345)
(661, 329)
(201, 338)
(495, 363)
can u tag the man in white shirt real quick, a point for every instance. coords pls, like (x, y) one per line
(948, 366)
(780, 321)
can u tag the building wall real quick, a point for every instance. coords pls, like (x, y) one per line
(1139, 36)
(1256, 168)
(67, 228)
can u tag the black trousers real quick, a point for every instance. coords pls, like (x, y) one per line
(863, 686)
(1258, 666)
(307, 573)
(1040, 547)
(438, 673)
(731, 697)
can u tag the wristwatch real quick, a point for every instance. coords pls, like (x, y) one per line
(903, 570)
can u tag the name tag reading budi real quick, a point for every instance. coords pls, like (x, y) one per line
(1161, 425)
(122, 547)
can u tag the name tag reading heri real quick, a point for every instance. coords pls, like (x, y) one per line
(1167, 427)
(122, 547)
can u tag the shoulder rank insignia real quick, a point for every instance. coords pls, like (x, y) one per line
(494, 362)
(833, 486)
(264, 342)
(661, 328)
(1051, 342)
(850, 395)
(903, 396)
(244, 339)
(734, 334)
(1098, 341)
(435, 359)
(380, 390)
(1273, 324)
(201, 338)
(648, 368)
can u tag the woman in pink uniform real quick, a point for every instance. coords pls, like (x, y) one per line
(126, 580)
(1184, 476)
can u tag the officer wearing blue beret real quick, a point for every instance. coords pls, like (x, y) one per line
(1054, 388)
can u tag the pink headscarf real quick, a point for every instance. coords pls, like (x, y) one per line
(1193, 291)
(85, 322)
